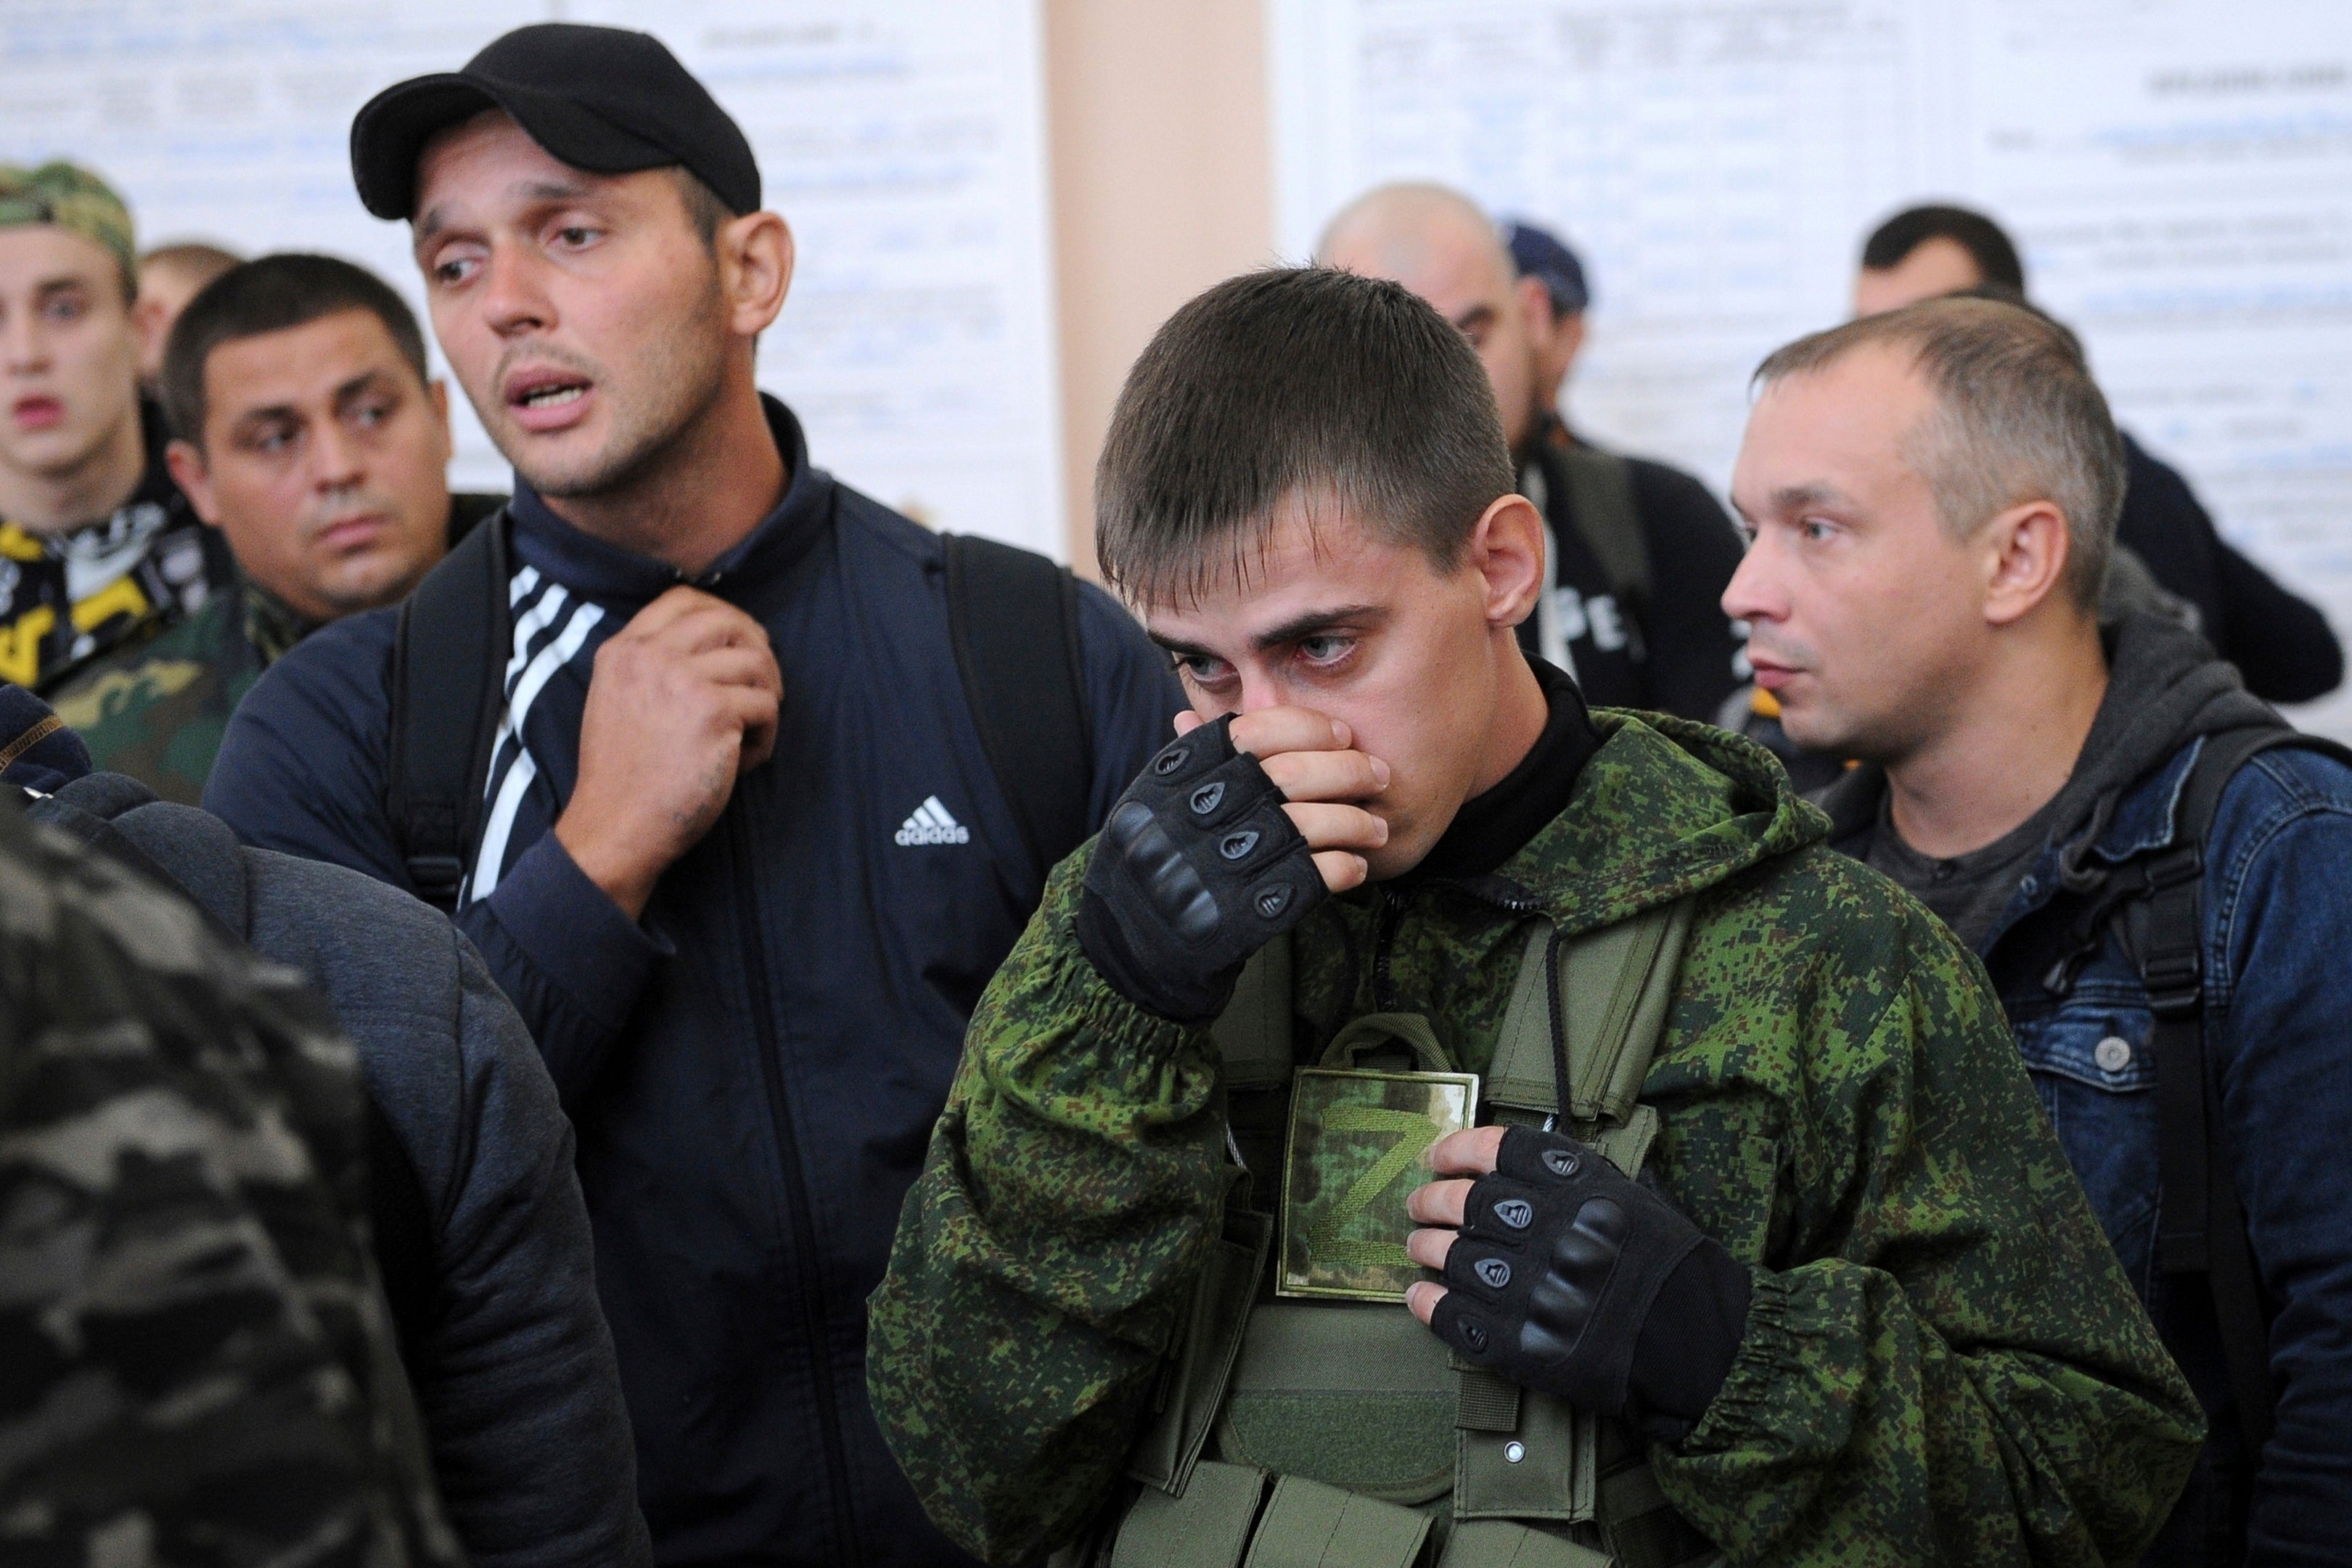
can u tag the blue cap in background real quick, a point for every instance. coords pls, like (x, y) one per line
(1539, 254)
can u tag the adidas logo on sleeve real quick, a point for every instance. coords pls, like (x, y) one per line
(931, 824)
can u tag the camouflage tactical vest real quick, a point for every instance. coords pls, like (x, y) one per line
(1343, 1431)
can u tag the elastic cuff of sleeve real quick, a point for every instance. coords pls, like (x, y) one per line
(1758, 1383)
(1103, 1007)
(574, 933)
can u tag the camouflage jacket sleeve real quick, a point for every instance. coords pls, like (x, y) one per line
(1071, 1190)
(1944, 1362)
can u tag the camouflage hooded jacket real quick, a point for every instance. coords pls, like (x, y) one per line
(1942, 1362)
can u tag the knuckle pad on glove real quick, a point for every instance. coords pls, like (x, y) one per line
(1205, 867)
(1555, 1267)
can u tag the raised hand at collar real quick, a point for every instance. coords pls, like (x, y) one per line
(682, 700)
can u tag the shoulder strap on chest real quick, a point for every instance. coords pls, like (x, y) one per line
(1012, 616)
(1601, 499)
(1253, 1034)
(2201, 1224)
(448, 658)
(1585, 1017)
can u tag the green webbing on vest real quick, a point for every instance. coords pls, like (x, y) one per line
(1376, 1031)
(1310, 1526)
(1209, 1341)
(1253, 1034)
(1615, 984)
(1492, 1543)
(1208, 1527)
(1289, 1384)
(1483, 1402)
(1600, 500)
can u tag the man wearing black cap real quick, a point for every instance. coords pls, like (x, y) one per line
(748, 979)
(1639, 554)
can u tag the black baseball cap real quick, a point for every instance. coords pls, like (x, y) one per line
(601, 98)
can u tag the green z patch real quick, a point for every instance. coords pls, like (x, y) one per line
(1357, 1149)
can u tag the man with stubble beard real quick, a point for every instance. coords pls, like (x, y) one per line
(750, 978)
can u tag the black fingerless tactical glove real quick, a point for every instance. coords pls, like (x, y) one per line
(1574, 1280)
(1198, 868)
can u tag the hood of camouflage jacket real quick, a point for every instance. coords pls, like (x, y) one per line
(1666, 807)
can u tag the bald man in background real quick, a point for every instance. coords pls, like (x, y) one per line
(1638, 553)
(169, 276)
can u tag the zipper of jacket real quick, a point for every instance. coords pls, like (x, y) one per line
(813, 1322)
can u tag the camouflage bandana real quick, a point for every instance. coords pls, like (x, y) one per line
(72, 198)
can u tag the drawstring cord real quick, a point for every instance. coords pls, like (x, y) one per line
(1562, 1100)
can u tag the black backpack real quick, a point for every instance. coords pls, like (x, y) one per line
(1012, 617)
(2201, 1224)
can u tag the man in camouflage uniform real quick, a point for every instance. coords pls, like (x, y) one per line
(313, 437)
(97, 546)
(200, 1368)
(1855, 1310)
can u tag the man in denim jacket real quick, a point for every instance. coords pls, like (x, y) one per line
(1931, 497)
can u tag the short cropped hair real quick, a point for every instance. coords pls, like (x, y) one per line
(1345, 391)
(272, 294)
(192, 258)
(1987, 244)
(2018, 418)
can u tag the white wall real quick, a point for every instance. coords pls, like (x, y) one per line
(904, 140)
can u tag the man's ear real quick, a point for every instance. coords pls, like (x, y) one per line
(1568, 338)
(1535, 308)
(1507, 549)
(755, 270)
(152, 320)
(436, 392)
(186, 462)
(2026, 551)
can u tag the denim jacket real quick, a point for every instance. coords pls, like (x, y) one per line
(2276, 909)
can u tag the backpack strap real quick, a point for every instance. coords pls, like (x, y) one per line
(1012, 617)
(1600, 500)
(448, 660)
(2201, 1224)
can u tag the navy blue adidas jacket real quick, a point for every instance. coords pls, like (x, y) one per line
(755, 1069)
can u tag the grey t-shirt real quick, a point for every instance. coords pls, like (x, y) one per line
(1966, 892)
